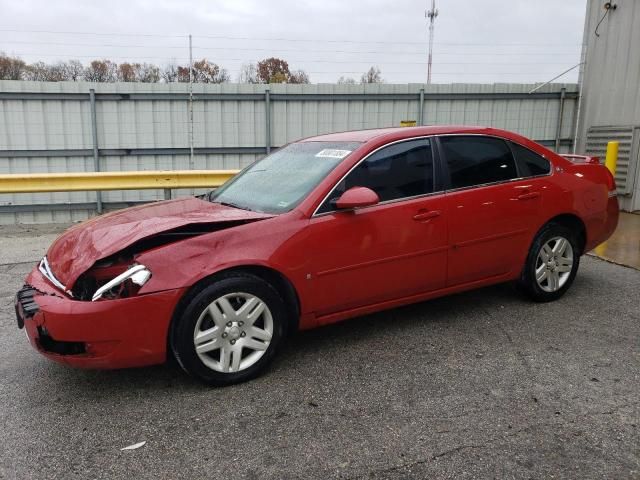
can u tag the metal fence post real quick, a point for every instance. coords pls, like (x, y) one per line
(421, 108)
(94, 134)
(563, 92)
(267, 113)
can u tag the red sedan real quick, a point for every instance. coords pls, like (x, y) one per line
(323, 229)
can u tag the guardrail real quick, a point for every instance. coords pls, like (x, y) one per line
(75, 182)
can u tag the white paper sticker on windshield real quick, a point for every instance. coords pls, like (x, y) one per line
(331, 153)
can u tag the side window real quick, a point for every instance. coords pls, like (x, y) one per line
(398, 171)
(476, 160)
(530, 163)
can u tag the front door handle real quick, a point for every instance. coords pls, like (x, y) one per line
(528, 196)
(423, 216)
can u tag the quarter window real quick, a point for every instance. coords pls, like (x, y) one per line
(476, 160)
(530, 163)
(398, 171)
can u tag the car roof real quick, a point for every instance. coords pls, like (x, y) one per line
(399, 133)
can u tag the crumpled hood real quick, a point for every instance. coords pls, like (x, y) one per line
(76, 250)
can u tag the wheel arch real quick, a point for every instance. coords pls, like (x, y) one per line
(270, 275)
(574, 223)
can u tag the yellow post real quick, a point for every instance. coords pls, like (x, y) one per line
(610, 162)
(612, 157)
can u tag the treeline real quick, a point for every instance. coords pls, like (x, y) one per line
(269, 70)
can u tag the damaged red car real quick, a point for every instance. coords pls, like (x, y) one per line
(324, 229)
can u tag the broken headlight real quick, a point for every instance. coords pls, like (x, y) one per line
(124, 285)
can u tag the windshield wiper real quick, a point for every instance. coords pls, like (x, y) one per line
(233, 205)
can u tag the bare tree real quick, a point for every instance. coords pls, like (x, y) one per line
(299, 76)
(170, 73)
(223, 76)
(248, 73)
(107, 71)
(206, 72)
(127, 72)
(11, 68)
(203, 72)
(372, 76)
(37, 72)
(136, 72)
(346, 81)
(73, 69)
(43, 72)
(101, 71)
(147, 73)
(56, 72)
(15, 69)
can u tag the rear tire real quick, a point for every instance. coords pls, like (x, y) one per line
(551, 265)
(230, 330)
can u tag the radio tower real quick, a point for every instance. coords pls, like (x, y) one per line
(431, 15)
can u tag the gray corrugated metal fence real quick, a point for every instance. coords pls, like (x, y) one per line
(47, 127)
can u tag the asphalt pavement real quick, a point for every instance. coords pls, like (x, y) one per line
(483, 384)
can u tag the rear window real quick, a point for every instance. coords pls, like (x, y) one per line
(530, 163)
(477, 160)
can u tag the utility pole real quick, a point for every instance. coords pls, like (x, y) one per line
(431, 15)
(191, 163)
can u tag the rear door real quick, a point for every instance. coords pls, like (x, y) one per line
(394, 249)
(491, 209)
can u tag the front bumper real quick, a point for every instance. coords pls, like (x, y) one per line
(128, 332)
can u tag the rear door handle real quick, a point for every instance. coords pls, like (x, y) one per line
(528, 196)
(423, 216)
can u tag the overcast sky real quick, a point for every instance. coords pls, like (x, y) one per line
(475, 41)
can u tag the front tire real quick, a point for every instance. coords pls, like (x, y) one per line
(230, 330)
(551, 265)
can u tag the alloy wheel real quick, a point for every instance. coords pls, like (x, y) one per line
(233, 332)
(554, 264)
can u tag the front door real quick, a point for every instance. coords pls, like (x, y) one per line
(391, 250)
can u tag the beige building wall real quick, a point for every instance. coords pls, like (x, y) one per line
(610, 104)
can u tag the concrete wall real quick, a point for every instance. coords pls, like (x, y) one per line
(611, 80)
(47, 127)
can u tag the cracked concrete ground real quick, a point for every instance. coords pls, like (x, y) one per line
(482, 384)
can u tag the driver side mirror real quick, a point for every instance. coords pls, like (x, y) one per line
(357, 197)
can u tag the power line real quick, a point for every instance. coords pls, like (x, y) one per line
(206, 47)
(305, 50)
(277, 39)
(306, 59)
(311, 60)
(116, 45)
(477, 73)
(72, 56)
(111, 34)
